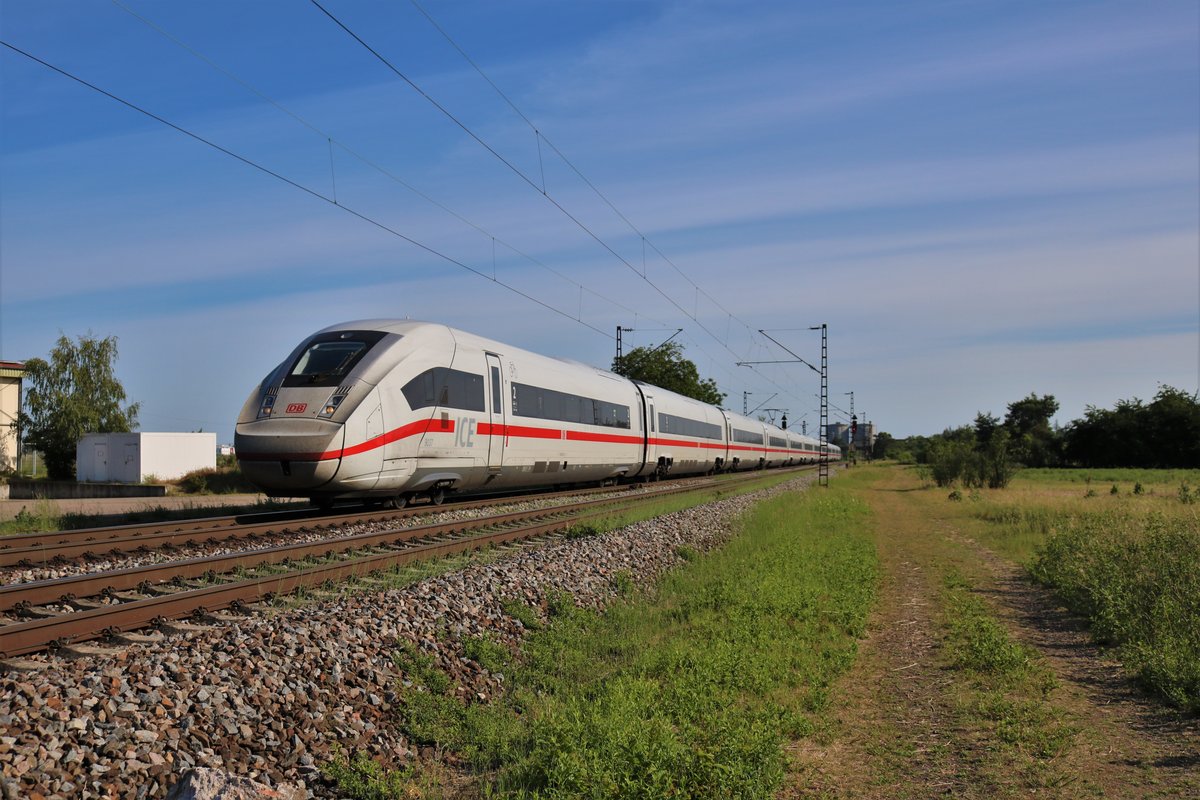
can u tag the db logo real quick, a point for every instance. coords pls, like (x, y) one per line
(296, 408)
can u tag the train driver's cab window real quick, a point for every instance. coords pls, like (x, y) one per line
(329, 357)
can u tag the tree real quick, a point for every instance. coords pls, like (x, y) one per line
(985, 428)
(665, 366)
(884, 445)
(1164, 433)
(1034, 443)
(74, 393)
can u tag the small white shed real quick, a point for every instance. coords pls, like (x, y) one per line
(130, 457)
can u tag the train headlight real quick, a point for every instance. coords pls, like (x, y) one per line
(268, 406)
(332, 405)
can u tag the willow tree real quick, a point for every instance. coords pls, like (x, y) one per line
(75, 392)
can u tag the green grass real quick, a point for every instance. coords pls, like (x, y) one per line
(1008, 685)
(689, 691)
(1103, 478)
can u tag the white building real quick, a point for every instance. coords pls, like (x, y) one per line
(11, 373)
(130, 457)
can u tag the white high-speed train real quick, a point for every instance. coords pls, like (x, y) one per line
(387, 410)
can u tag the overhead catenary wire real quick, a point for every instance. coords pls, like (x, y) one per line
(362, 158)
(307, 190)
(408, 186)
(542, 137)
(541, 189)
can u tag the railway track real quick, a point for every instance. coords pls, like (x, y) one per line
(52, 614)
(44, 548)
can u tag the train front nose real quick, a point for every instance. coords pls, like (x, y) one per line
(289, 456)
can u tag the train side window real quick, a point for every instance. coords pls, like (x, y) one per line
(496, 390)
(747, 437)
(534, 401)
(450, 388)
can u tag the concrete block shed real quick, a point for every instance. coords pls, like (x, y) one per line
(130, 457)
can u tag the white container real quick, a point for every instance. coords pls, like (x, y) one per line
(130, 457)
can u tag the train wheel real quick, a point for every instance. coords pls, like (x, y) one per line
(437, 496)
(399, 501)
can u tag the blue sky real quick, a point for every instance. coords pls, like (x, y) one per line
(982, 200)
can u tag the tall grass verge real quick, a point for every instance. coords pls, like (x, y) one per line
(690, 691)
(1138, 582)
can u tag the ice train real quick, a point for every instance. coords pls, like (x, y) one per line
(389, 410)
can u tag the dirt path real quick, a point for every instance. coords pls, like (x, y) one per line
(1130, 740)
(898, 728)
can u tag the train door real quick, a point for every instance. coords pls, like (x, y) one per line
(496, 415)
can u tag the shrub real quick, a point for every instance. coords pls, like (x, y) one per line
(215, 481)
(1139, 584)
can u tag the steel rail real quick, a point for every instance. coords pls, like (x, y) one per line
(42, 549)
(27, 637)
(54, 590)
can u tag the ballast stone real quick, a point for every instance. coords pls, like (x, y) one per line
(202, 783)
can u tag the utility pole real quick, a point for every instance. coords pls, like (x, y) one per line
(621, 330)
(853, 443)
(823, 468)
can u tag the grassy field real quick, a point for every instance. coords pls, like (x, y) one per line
(1121, 547)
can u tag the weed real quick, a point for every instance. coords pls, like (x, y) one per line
(215, 481)
(686, 553)
(1187, 495)
(976, 641)
(956, 496)
(521, 613)
(44, 517)
(1030, 725)
(1137, 488)
(622, 583)
(362, 778)
(581, 530)
(1090, 493)
(1114, 490)
(487, 653)
(560, 604)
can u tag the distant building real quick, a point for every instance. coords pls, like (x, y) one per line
(837, 433)
(224, 450)
(865, 440)
(11, 373)
(130, 457)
